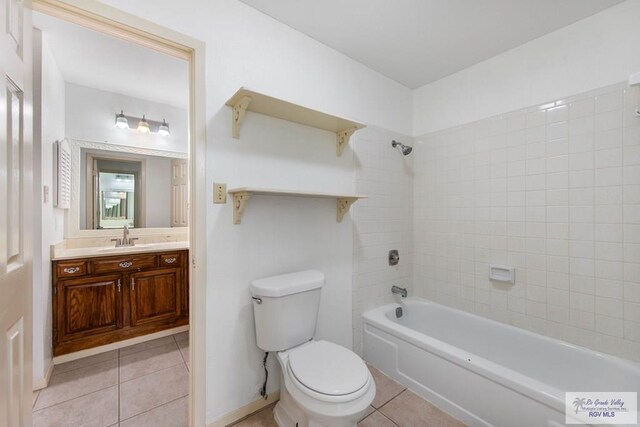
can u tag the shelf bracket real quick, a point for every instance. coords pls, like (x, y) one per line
(343, 206)
(239, 203)
(237, 116)
(342, 139)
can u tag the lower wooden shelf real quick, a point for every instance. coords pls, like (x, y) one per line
(241, 196)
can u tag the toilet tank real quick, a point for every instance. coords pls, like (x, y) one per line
(285, 309)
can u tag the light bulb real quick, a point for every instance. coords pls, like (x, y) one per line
(164, 129)
(121, 121)
(143, 125)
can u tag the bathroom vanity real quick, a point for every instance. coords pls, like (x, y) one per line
(100, 298)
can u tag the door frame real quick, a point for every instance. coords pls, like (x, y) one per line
(112, 21)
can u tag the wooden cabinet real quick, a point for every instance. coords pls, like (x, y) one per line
(102, 300)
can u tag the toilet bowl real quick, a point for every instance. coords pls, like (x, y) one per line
(322, 384)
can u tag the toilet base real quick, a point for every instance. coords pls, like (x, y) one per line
(287, 413)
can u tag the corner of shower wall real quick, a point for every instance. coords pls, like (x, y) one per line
(552, 190)
(382, 222)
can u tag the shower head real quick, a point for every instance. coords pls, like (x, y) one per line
(406, 149)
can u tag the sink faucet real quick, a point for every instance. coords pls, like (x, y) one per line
(126, 240)
(398, 290)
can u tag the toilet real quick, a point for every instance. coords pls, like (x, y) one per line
(322, 384)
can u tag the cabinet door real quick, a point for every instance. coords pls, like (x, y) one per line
(88, 306)
(155, 295)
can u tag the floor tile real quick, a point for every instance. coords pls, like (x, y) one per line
(98, 409)
(148, 361)
(376, 419)
(370, 410)
(126, 351)
(184, 350)
(85, 361)
(182, 336)
(78, 382)
(153, 390)
(386, 388)
(264, 418)
(409, 409)
(172, 414)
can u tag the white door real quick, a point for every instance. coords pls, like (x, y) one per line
(16, 194)
(179, 193)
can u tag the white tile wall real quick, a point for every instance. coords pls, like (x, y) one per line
(381, 222)
(552, 190)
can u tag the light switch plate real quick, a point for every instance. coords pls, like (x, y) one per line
(219, 193)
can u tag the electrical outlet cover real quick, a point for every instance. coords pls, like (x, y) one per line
(219, 193)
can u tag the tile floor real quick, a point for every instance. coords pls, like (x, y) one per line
(393, 406)
(142, 385)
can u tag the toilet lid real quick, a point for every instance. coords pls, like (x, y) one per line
(328, 368)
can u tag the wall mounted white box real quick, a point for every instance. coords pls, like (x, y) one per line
(502, 273)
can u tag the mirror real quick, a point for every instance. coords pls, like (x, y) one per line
(135, 187)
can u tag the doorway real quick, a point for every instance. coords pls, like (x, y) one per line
(108, 21)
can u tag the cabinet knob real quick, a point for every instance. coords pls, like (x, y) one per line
(119, 285)
(126, 264)
(71, 270)
(133, 284)
(170, 260)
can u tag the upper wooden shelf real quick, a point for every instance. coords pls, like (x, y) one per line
(246, 100)
(241, 196)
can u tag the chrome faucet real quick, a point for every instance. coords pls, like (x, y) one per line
(398, 290)
(126, 240)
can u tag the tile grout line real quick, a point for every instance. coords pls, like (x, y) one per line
(82, 367)
(392, 422)
(155, 407)
(151, 373)
(390, 399)
(74, 398)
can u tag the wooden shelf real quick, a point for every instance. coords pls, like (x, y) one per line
(246, 100)
(241, 196)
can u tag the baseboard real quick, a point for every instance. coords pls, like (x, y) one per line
(40, 383)
(116, 345)
(240, 413)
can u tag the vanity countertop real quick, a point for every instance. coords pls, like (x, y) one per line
(92, 252)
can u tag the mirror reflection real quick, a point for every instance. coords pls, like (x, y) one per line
(139, 191)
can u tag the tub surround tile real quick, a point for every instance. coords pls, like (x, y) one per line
(99, 408)
(153, 390)
(409, 409)
(572, 218)
(386, 388)
(79, 382)
(172, 414)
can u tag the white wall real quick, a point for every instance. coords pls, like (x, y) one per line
(49, 97)
(90, 116)
(247, 48)
(382, 222)
(591, 53)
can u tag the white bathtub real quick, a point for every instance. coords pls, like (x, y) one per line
(483, 372)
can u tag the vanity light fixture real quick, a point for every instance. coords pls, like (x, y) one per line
(143, 125)
(121, 121)
(163, 129)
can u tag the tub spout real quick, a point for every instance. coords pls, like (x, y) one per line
(398, 290)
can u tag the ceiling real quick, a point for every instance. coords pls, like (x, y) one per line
(89, 58)
(416, 42)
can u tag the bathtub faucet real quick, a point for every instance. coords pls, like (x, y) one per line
(398, 290)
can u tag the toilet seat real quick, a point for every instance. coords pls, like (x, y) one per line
(328, 372)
